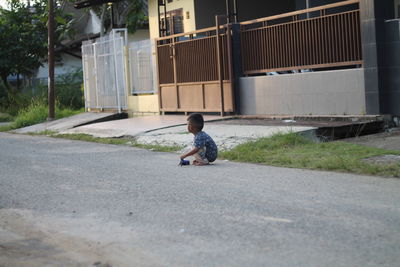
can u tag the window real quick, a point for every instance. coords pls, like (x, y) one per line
(173, 23)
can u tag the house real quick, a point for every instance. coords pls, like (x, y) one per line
(309, 68)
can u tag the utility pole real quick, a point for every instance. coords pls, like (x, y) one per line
(50, 32)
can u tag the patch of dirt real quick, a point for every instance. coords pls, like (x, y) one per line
(388, 140)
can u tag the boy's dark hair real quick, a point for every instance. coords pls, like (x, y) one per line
(196, 120)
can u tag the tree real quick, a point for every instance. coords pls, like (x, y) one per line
(23, 34)
(132, 14)
(127, 13)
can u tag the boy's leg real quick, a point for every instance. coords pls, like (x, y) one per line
(199, 160)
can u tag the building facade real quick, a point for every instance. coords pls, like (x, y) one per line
(347, 85)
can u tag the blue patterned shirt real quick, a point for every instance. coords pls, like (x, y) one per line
(205, 142)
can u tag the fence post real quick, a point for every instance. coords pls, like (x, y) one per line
(116, 75)
(173, 51)
(85, 83)
(127, 69)
(237, 64)
(230, 63)
(95, 73)
(219, 64)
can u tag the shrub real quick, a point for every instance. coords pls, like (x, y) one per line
(69, 90)
(36, 112)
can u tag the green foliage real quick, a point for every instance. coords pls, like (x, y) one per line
(23, 46)
(37, 112)
(131, 14)
(69, 90)
(24, 36)
(294, 150)
(135, 16)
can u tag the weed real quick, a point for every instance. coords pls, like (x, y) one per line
(294, 150)
(35, 113)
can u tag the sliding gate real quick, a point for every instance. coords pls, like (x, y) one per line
(194, 71)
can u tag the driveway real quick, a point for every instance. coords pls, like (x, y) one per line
(70, 203)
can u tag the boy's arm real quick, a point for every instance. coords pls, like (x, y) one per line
(191, 152)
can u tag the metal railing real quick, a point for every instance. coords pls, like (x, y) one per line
(193, 56)
(320, 37)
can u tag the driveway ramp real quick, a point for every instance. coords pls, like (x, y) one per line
(71, 122)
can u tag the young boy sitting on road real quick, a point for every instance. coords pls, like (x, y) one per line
(204, 148)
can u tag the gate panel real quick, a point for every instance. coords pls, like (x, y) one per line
(104, 73)
(189, 79)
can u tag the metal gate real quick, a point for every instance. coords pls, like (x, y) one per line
(195, 71)
(104, 73)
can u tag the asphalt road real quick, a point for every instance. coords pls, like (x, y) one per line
(70, 203)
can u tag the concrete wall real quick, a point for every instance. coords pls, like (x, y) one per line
(373, 16)
(316, 93)
(143, 104)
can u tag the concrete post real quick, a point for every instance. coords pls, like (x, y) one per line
(373, 15)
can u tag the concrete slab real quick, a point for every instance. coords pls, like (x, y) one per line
(66, 123)
(133, 126)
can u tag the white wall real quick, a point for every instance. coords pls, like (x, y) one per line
(141, 34)
(69, 64)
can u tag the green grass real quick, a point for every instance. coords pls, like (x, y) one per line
(112, 141)
(36, 113)
(294, 150)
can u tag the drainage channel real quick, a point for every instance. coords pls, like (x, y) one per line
(326, 128)
(332, 133)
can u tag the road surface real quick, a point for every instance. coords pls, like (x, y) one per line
(71, 203)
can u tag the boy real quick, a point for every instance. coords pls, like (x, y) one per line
(204, 148)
